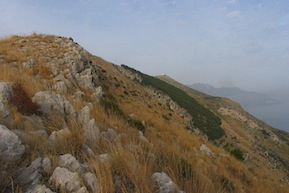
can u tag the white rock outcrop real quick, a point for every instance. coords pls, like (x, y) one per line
(206, 150)
(11, 147)
(51, 103)
(164, 184)
(66, 180)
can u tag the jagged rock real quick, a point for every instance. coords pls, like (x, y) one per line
(11, 147)
(206, 150)
(84, 115)
(40, 189)
(69, 162)
(60, 87)
(46, 164)
(51, 103)
(142, 137)
(98, 93)
(109, 135)
(29, 177)
(164, 184)
(82, 190)
(91, 134)
(57, 136)
(91, 182)
(4, 94)
(65, 180)
(88, 150)
(84, 79)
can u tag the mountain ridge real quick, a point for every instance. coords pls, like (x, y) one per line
(97, 128)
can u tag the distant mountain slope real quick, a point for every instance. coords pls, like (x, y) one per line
(245, 98)
(272, 111)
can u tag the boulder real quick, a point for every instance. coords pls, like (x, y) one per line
(4, 94)
(40, 189)
(59, 135)
(30, 177)
(91, 134)
(84, 79)
(51, 103)
(91, 182)
(84, 115)
(65, 180)
(164, 184)
(11, 147)
(69, 162)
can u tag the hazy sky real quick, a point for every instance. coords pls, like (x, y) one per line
(241, 43)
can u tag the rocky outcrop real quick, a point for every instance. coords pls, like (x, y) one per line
(66, 180)
(164, 184)
(206, 150)
(53, 103)
(4, 94)
(30, 177)
(71, 176)
(11, 147)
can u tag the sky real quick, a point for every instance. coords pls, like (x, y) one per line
(225, 43)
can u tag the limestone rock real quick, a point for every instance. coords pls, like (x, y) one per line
(69, 162)
(60, 87)
(50, 102)
(57, 136)
(84, 79)
(84, 115)
(91, 182)
(206, 150)
(109, 135)
(29, 177)
(164, 184)
(65, 180)
(11, 147)
(40, 189)
(4, 94)
(92, 134)
(142, 137)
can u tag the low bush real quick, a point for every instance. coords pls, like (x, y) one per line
(20, 99)
(238, 153)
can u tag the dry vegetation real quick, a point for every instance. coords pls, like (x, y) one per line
(172, 148)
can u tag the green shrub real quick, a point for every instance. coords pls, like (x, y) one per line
(238, 153)
(137, 124)
(110, 104)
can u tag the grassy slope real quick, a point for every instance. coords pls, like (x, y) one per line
(176, 150)
(203, 118)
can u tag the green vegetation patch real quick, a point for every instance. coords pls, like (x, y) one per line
(238, 154)
(203, 118)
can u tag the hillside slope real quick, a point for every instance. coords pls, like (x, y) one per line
(73, 122)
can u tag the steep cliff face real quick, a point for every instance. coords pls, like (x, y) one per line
(72, 122)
